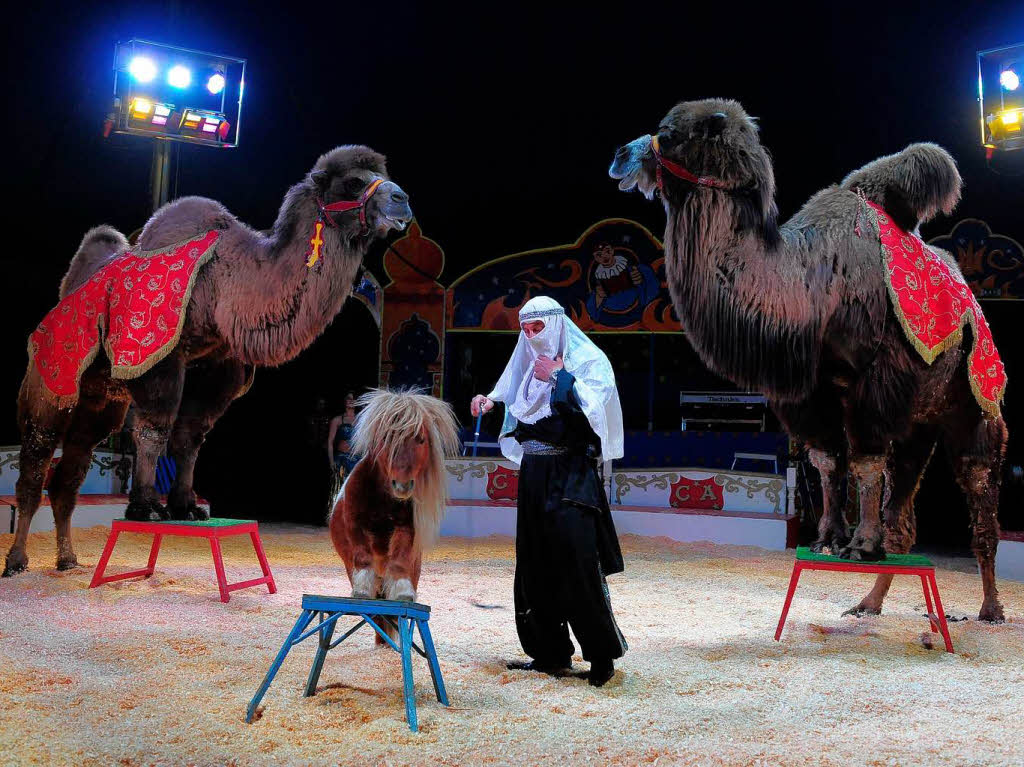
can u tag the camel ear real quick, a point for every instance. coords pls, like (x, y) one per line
(320, 179)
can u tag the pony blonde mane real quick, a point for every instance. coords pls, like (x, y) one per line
(386, 421)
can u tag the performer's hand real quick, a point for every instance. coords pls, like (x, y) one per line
(544, 367)
(480, 404)
(637, 278)
(599, 295)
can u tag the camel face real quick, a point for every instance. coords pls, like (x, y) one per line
(634, 165)
(348, 174)
(716, 138)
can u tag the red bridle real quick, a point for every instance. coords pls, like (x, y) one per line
(679, 171)
(346, 205)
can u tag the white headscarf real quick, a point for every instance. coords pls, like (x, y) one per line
(528, 400)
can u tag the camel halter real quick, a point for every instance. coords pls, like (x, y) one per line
(324, 217)
(679, 171)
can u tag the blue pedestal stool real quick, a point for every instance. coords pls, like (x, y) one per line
(376, 613)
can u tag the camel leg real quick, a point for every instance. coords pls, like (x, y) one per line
(208, 391)
(906, 468)
(868, 471)
(831, 526)
(976, 456)
(37, 445)
(91, 424)
(157, 395)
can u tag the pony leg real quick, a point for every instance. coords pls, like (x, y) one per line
(401, 566)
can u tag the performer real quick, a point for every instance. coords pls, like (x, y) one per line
(339, 448)
(562, 414)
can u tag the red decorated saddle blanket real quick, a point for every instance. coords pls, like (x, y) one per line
(933, 304)
(134, 308)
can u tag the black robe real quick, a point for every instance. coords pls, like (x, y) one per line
(565, 540)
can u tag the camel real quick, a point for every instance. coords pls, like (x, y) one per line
(801, 312)
(259, 300)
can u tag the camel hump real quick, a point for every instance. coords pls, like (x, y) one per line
(99, 246)
(913, 185)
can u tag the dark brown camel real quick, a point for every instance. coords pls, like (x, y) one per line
(254, 303)
(800, 312)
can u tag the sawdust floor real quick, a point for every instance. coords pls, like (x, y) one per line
(158, 671)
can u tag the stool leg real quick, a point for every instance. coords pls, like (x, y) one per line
(300, 625)
(405, 636)
(789, 598)
(321, 653)
(262, 557)
(940, 613)
(928, 604)
(153, 552)
(218, 565)
(108, 549)
(435, 667)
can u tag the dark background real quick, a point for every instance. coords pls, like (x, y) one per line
(500, 121)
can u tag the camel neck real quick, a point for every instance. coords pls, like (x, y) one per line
(742, 301)
(282, 305)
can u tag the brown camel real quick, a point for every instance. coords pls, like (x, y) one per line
(801, 312)
(255, 302)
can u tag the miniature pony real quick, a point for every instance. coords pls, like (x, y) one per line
(392, 503)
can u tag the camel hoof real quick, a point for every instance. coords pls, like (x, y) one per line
(988, 614)
(13, 569)
(67, 564)
(832, 541)
(862, 610)
(860, 553)
(146, 511)
(190, 512)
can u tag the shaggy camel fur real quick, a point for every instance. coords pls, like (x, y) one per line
(254, 303)
(801, 312)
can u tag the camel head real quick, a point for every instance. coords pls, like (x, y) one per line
(711, 143)
(354, 174)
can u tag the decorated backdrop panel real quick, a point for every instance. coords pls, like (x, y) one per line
(992, 264)
(611, 279)
(412, 321)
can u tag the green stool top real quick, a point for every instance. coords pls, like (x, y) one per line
(892, 560)
(211, 522)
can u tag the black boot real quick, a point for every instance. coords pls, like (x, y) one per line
(556, 668)
(600, 672)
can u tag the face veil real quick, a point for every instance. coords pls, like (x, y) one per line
(528, 400)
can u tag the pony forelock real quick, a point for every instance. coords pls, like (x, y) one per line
(386, 421)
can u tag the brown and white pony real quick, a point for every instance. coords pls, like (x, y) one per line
(391, 505)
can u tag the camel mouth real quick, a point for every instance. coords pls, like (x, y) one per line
(628, 165)
(396, 222)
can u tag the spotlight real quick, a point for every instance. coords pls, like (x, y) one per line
(1011, 119)
(142, 69)
(144, 114)
(215, 84)
(203, 124)
(1009, 79)
(179, 77)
